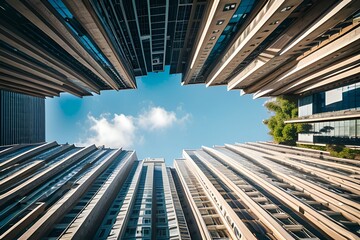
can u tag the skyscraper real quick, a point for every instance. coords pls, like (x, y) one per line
(62, 191)
(266, 47)
(272, 48)
(49, 47)
(267, 191)
(150, 209)
(22, 118)
(45, 187)
(237, 191)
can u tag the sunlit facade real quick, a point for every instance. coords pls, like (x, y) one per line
(61, 191)
(272, 48)
(265, 48)
(236, 191)
(149, 206)
(268, 191)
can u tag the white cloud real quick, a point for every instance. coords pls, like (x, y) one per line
(123, 131)
(156, 118)
(116, 132)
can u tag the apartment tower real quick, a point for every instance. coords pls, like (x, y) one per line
(236, 191)
(61, 191)
(268, 191)
(265, 47)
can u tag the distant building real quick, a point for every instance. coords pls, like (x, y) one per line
(149, 206)
(22, 118)
(264, 47)
(332, 116)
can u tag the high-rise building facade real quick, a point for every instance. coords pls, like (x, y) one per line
(46, 187)
(238, 191)
(57, 46)
(62, 191)
(22, 118)
(267, 191)
(150, 207)
(265, 47)
(272, 48)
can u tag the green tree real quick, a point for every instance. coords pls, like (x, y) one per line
(284, 108)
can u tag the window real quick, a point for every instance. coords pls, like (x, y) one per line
(160, 211)
(130, 231)
(208, 221)
(146, 231)
(229, 7)
(161, 220)
(161, 232)
(214, 234)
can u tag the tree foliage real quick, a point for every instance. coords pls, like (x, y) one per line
(284, 108)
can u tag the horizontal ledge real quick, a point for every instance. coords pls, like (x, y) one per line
(334, 116)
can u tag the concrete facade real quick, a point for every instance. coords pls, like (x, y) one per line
(265, 48)
(62, 191)
(237, 191)
(268, 191)
(277, 47)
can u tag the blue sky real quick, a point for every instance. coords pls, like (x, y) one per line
(159, 119)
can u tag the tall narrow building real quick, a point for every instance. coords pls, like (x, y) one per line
(146, 207)
(266, 191)
(22, 118)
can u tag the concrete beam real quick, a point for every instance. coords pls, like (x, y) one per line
(88, 19)
(312, 62)
(267, 19)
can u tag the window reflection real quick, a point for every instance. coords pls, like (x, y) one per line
(345, 132)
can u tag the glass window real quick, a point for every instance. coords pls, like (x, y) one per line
(336, 127)
(347, 128)
(352, 128)
(161, 232)
(146, 231)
